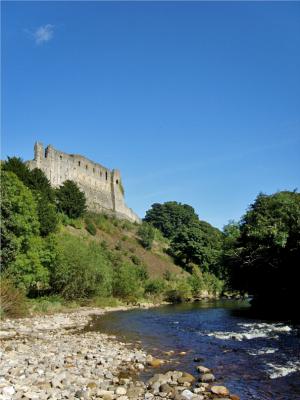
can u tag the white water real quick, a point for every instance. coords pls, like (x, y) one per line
(280, 370)
(253, 331)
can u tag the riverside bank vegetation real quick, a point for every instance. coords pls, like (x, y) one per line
(56, 254)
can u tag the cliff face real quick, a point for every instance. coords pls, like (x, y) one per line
(101, 186)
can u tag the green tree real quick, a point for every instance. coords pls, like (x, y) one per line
(171, 217)
(38, 183)
(146, 234)
(18, 167)
(22, 247)
(70, 199)
(269, 249)
(200, 244)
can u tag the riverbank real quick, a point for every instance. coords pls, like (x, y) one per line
(52, 357)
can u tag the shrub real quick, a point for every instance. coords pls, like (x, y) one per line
(179, 292)
(12, 300)
(91, 228)
(155, 286)
(81, 269)
(127, 284)
(146, 234)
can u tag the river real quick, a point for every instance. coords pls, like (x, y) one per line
(255, 359)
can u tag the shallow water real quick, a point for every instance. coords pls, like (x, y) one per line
(255, 359)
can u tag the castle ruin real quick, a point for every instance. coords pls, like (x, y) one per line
(102, 187)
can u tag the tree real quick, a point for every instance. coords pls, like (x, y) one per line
(269, 249)
(200, 244)
(39, 184)
(70, 199)
(170, 217)
(18, 167)
(22, 247)
(146, 233)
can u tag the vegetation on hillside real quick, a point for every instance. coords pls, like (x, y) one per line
(54, 251)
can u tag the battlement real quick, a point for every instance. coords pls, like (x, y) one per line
(102, 186)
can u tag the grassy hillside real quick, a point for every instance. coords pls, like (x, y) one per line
(122, 237)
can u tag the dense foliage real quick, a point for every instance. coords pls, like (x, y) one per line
(200, 244)
(22, 248)
(43, 193)
(170, 217)
(264, 256)
(192, 242)
(70, 199)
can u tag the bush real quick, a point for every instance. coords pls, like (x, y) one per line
(146, 233)
(81, 270)
(12, 300)
(91, 228)
(127, 283)
(155, 286)
(179, 292)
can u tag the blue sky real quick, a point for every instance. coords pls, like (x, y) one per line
(197, 102)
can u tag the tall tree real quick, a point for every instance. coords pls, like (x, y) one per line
(22, 247)
(170, 217)
(70, 199)
(269, 248)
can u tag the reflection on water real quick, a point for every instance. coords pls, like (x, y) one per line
(255, 359)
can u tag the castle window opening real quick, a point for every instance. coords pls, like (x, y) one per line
(117, 181)
(79, 163)
(106, 175)
(60, 157)
(86, 167)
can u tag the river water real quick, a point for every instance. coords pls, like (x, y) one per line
(255, 359)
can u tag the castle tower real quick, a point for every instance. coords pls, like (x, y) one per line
(38, 153)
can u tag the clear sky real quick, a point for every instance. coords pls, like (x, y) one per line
(197, 102)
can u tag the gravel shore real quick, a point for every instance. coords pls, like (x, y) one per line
(51, 357)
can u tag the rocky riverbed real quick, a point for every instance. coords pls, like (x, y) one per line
(52, 357)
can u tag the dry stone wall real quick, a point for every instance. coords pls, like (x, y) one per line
(101, 186)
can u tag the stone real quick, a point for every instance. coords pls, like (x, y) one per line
(207, 378)
(220, 390)
(121, 390)
(8, 390)
(202, 369)
(155, 362)
(165, 388)
(187, 394)
(186, 377)
(234, 397)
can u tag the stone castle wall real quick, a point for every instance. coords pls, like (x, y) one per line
(101, 186)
